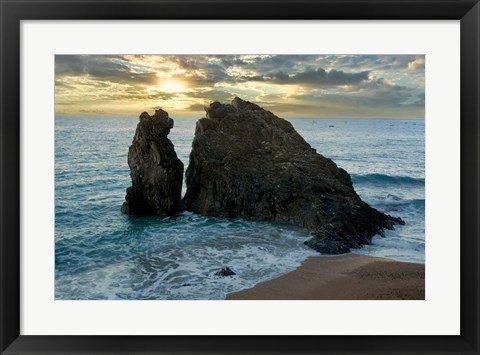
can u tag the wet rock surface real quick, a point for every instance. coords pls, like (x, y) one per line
(226, 271)
(155, 169)
(246, 162)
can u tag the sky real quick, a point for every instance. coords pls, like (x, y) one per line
(323, 86)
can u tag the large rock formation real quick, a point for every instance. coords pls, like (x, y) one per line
(247, 162)
(155, 169)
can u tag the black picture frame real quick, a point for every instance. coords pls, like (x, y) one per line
(14, 11)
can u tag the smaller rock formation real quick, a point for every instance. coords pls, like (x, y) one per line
(155, 169)
(226, 271)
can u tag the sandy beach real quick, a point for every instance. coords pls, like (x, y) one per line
(344, 277)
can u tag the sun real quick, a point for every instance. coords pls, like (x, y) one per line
(171, 85)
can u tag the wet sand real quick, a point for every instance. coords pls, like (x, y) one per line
(344, 277)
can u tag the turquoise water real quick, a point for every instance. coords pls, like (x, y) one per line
(102, 254)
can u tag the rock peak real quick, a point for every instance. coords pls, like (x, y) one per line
(242, 105)
(217, 110)
(160, 118)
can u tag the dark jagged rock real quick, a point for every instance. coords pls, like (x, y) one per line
(247, 162)
(353, 226)
(155, 169)
(226, 271)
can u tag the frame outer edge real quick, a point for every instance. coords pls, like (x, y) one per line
(9, 175)
(242, 9)
(10, 15)
(470, 178)
(3, 323)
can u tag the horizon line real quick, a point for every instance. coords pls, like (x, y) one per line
(284, 117)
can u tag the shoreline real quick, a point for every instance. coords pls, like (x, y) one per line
(343, 277)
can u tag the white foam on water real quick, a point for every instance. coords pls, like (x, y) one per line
(396, 247)
(182, 265)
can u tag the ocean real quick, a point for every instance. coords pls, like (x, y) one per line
(101, 253)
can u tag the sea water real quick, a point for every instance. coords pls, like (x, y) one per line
(101, 253)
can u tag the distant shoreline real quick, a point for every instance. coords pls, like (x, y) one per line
(344, 277)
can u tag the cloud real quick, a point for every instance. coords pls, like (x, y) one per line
(92, 111)
(212, 95)
(289, 69)
(417, 64)
(105, 68)
(270, 63)
(197, 107)
(395, 61)
(315, 77)
(373, 98)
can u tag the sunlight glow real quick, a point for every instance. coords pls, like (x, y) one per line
(171, 85)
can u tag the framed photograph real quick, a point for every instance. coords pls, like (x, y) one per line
(239, 177)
